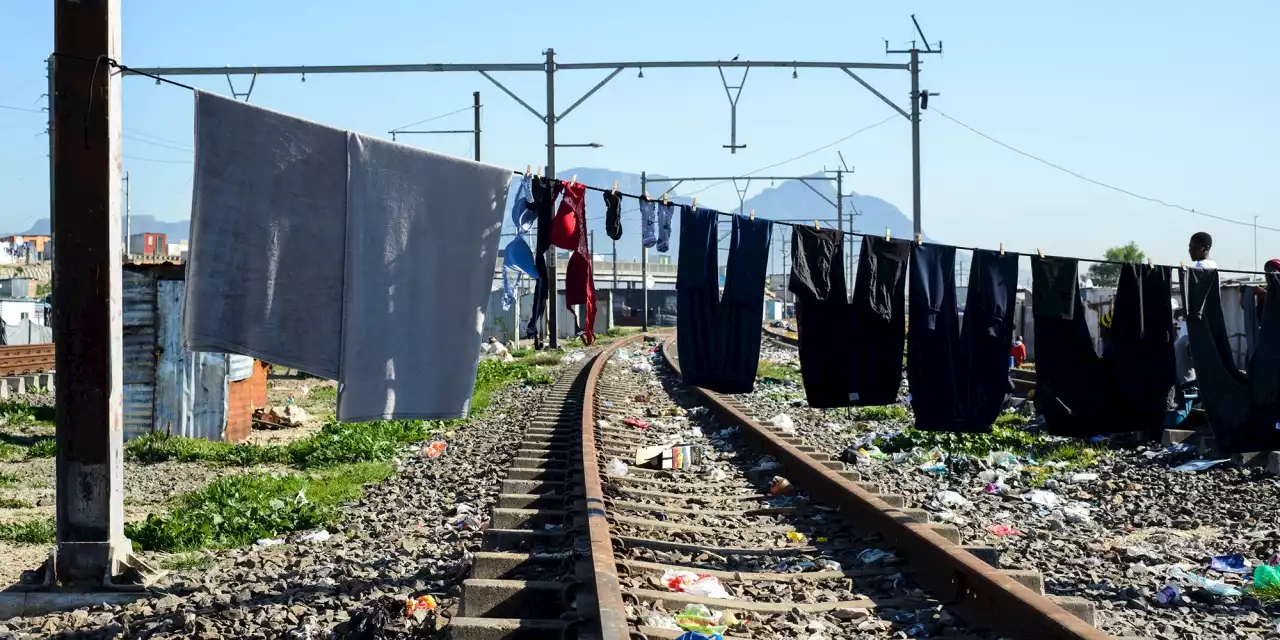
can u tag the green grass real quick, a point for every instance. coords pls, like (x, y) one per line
(1004, 436)
(12, 451)
(493, 374)
(324, 394)
(521, 353)
(544, 358)
(1268, 594)
(43, 448)
(30, 532)
(235, 511)
(160, 447)
(17, 413)
(771, 369)
(873, 414)
(8, 478)
(14, 503)
(191, 561)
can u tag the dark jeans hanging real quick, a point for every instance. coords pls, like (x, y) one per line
(822, 315)
(1242, 408)
(1141, 350)
(986, 336)
(543, 204)
(698, 298)
(740, 308)
(879, 322)
(959, 375)
(934, 362)
(1072, 381)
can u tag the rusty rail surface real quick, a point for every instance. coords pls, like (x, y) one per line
(980, 593)
(19, 360)
(780, 337)
(603, 581)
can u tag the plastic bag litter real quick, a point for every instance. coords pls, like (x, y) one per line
(436, 449)
(1212, 586)
(574, 357)
(616, 468)
(697, 618)
(715, 474)
(707, 586)
(1077, 478)
(991, 476)
(1265, 575)
(1046, 499)
(1002, 530)
(872, 556)
(784, 423)
(695, 432)
(1075, 513)
(1198, 465)
(767, 463)
(660, 621)
(268, 542)
(1233, 563)
(780, 486)
(796, 536)
(933, 467)
(950, 499)
(1003, 460)
(642, 367)
(828, 565)
(315, 536)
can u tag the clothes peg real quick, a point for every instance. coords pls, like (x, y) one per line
(1001, 248)
(753, 214)
(539, 171)
(919, 239)
(574, 179)
(816, 225)
(615, 187)
(888, 234)
(664, 197)
(1040, 252)
(1150, 264)
(695, 204)
(528, 169)
(1182, 265)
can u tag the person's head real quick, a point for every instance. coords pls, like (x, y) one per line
(1200, 245)
(1272, 266)
(1019, 339)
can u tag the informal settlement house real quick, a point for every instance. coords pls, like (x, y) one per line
(169, 389)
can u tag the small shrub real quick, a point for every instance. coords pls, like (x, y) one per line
(192, 561)
(872, 414)
(776, 371)
(30, 532)
(324, 394)
(8, 478)
(43, 448)
(14, 503)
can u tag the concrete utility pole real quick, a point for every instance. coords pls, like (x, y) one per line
(85, 139)
(919, 101)
(644, 259)
(552, 290)
(128, 215)
(475, 101)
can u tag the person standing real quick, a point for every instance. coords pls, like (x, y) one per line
(1018, 352)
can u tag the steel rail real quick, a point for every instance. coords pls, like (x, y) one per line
(981, 594)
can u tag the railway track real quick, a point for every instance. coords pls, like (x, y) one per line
(575, 550)
(17, 360)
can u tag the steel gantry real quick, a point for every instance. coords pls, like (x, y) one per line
(551, 118)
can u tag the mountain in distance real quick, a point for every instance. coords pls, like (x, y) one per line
(174, 230)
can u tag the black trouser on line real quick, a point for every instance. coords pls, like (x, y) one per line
(879, 321)
(822, 320)
(1142, 348)
(543, 203)
(1071, 379)
(698, 298)
(986, 336)
(740, 307)
(934, 370)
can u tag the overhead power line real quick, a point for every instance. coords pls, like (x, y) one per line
(433, 118)
(158, 160)
(162, 145)
(1171, 205)
(5, 106)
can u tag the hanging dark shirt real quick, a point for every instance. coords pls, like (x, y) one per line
(878, 314)
(822, 315)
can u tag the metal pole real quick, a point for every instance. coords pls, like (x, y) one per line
(840, 204)
(644, 259)
(552, 338)
(915, 140)
(85, 110)
(128, 216)
(475, 95)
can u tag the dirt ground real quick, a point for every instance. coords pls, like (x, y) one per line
(29, 493)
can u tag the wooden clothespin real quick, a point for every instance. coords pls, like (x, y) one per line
(615, 187)
(664, 197)
(888, 233)
(695, 204)
(1182, 265)
(539, 171)
(1001, 248)
(574, 179)
(816, 225)
(919, 239)
(528, 169)
(753, 214)
(1150, 263)
(1040, 252)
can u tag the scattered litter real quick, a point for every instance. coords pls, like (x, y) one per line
(616, 468)
(660, 621)
(698, 619)
(1002, 530)
(993, 488)
(695, 432)
(1083, 477)
(269, 542)
(638, 423)
(435, 449)
(990, 476)
(947, 515)
(665, 456)
(419, 606)
(780, 486)
(831, 425)
(290, 415)
(933, 467)
(1266, 576)
(1212, 586)
(1003, 460)
(574, 357)
(1168, 595)
(872, 556)
(468, 522)
(1233, 563)
(602, 424)
(1075, 513)
(767, 463)
(1046, 499)
(796, 536)
(642, 367)
(950, 499)
(828, 565)
(1198, 465)
(715, 474)
(707, 586)
(316, 536)
(784, 423)
(1181, 447)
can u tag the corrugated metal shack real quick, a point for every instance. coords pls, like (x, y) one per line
(168, 389)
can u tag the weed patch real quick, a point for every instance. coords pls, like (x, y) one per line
(324, 394)
(237, 510)
(8, 479)
(43, 448)
(193, 561)
(1267, 594)
(1004, 436)
(343, 443)
(874, 414)
(161, 447)
(771, 369)
(14, 503)
(30, 532)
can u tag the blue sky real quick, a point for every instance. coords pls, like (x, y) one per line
(1164, 99)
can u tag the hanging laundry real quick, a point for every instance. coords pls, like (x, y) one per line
(1072, 381)
(935, 362)
(1241, 407)
(569, 231)
(268, 234)
(648, 222)
(543, 190)
(422, 234)
(613, 215)
(666, 211)
(744, 283)
(698, 298)
(879, 322)
(823, 322)
(1142, 338)
(518, 257)
(986, 333)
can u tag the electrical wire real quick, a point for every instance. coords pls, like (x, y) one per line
(158, 144)
(5, 106)
(412, 124)
(158, 160)
(1104, 185)
(153, 136)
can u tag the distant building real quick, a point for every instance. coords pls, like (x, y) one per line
(17, 288)
(148, 244)
(25, 248)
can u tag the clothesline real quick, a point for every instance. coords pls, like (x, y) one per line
(858, 234)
